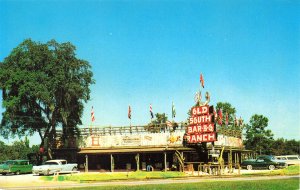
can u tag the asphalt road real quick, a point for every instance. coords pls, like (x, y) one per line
(30, 182)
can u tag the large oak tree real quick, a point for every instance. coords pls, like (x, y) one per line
(44, 87)
(258, 138)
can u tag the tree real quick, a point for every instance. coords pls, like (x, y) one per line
(226, 108)
(44, 87)
(159, 123)
(278, 147)
(258, 138)
(285, 147)
(292, 147)
(18, 150)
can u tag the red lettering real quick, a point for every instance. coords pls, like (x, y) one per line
(204, 128)
(200, 110)
(200, 119)
(196, 138)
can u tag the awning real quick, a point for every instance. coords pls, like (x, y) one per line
(131, 150)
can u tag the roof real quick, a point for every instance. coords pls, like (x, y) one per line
(124, 150)
(131, 150)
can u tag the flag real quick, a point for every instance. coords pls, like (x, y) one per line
(236, 121)
(215, 114)
(220, 117)
(129, 112)
(151, 113)
(241, 121)
(201, 80)
(173, 111)
(93, 114)
(227, 119)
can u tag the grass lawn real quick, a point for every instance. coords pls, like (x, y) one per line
(94, 177)
(283, 184)
(290, 170)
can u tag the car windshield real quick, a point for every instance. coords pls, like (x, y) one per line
(9, 162)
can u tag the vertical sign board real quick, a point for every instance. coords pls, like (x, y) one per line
(201, 125)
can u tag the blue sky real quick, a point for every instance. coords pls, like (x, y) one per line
(145, 52)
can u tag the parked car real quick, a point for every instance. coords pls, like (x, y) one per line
(290, 159)
(15, 167)
(52, 166)
(263, 162)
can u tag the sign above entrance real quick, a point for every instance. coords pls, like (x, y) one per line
(201, 127)
(201, 137)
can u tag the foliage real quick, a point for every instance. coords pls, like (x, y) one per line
(290, 170)
(226, 108)
(285, 147)
(18, 150)
(44, 87)
(159, 124)
(258, 138)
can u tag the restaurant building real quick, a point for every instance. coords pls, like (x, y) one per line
(159, 148)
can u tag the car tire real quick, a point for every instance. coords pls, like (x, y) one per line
(249, 167)
(271, 167)
(18, 172)
(74, 169)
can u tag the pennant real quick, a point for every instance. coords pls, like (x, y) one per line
(173, 111)
(241, 121)
(226, 119)
(92, 114)
(151, 113)
(220, 117)
(202, 80)
(129, 112)
(215, 114)
(236, 121)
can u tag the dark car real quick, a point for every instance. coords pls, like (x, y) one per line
(263, 162)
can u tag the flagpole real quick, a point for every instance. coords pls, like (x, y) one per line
(92, 119)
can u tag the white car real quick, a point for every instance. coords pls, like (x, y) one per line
(289, 159)
(52, 166)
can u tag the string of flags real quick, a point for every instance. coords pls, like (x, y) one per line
(151, 111)
(219, 118)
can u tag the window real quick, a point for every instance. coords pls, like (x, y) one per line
(51, 163)
(292, 158)
(95, 141)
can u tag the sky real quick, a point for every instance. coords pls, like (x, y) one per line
(152, 52)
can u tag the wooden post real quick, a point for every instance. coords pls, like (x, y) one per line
(137, 159)
(112, 164)
(235, 159)
(86, 163)
(165, 160)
